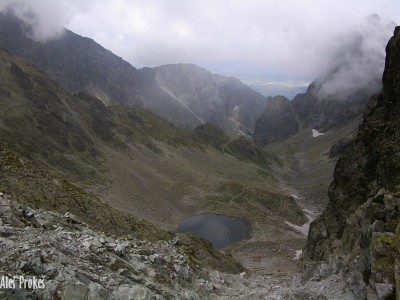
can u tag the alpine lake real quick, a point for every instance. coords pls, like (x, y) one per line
(220, 230)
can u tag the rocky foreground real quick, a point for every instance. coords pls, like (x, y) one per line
(73, 261)
(77, 262)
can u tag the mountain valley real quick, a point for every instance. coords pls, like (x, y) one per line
(105, 160)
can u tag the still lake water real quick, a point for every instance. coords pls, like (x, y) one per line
(220, 230)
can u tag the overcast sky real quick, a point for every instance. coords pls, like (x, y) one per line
(252, 39)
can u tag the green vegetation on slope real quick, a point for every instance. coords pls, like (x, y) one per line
(32, 185)
(37, 122)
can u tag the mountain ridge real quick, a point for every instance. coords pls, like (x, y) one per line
(81, 65)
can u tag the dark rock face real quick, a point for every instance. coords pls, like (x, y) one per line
(283, 118)
(325, 113)
(184, 94)
(362, 219)
(340, 147)
(277, 122)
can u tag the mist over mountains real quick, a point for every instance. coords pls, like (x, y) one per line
(100, 161)
(188, 95)
(266, 35)
(80, 64)
(339, 95)
(356, 62)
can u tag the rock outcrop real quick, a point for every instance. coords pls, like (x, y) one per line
(360, 227)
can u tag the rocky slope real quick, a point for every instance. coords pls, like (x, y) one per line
(75, 262)
(324, 113)
(186, 95)
(70, 260)
(42, 121)
(360, 227)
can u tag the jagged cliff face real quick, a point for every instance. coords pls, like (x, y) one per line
(185, 95)
(340, 93)
(361, 222)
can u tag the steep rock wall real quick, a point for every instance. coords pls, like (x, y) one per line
(361, 222)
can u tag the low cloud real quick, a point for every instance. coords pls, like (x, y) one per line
(356, 61)
(255, 38)
(44, 19)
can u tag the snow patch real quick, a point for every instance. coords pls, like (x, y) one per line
(296, 196)
(316, 133)
(297, 254)
(303, 229)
